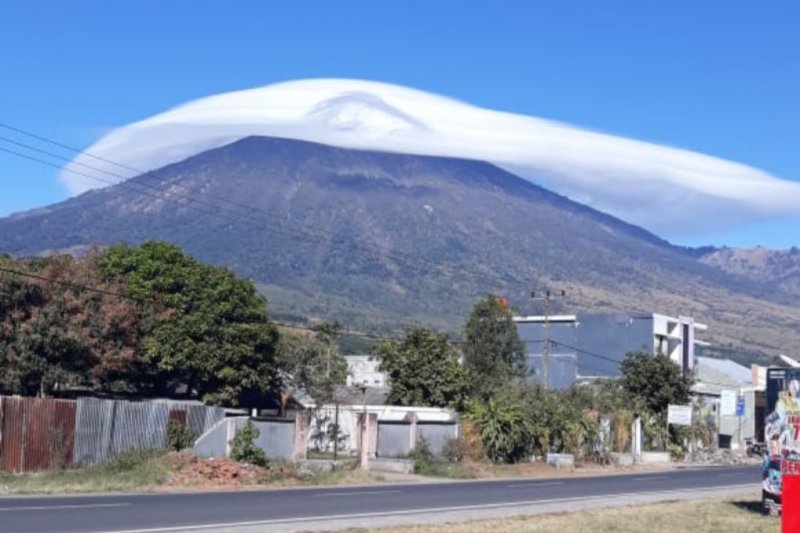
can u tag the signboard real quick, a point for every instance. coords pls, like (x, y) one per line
(740, 406)
(727, 403)
(679, 415)
(781, 430)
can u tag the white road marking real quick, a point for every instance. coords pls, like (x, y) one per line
(359, 493)
(649, 478)
(62, 507)
(731, 474)
(545, 484)
(419, 511)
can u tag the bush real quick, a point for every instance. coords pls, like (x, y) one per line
(244, 449)
(179, 437)
(422, 456)
(506, 432)
(454, 451)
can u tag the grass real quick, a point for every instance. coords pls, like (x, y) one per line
(157, 469)
(137, 470)
(705, 516)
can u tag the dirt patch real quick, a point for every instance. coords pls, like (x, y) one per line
(194, 472)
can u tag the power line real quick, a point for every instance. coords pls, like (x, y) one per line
(123, 296)
(62, 282)
(310, 230)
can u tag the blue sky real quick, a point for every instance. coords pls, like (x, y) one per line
(719, 77)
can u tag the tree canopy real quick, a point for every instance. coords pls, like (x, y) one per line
(58, 333)
(494, 354)
(655, 381)
(312, 362)
(423, 369)
(206, 328)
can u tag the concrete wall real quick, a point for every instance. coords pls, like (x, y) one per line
(394, 439)
(437, 435)
(276, 438)
(214, 442)
(398, 439)
(734, 430)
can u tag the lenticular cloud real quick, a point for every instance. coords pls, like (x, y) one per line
(671, 191)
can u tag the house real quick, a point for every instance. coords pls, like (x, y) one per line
(570, 348)
(736, 396)
(364, 370)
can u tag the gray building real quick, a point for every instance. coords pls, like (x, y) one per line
(588, 346)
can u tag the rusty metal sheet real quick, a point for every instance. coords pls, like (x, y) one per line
(11, 453)
(49, 433)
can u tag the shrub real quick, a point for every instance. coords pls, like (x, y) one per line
(179, 437)
(471, 443)
(506, 433)
(422, 456)
(244, 449)
(454, 451)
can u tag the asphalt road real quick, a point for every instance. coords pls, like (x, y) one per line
(218, 510)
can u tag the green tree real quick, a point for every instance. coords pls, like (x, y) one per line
(655, 381)
(202, 327)
(494, 354)
(423, 369)
(312, 362)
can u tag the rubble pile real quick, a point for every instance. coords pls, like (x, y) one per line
(719, 457)
(221, 472)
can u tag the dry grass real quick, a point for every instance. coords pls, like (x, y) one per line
(158, 470)
(728, 516)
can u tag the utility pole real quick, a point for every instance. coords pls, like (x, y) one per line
(546, 297)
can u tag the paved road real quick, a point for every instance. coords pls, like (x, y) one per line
(165, 512)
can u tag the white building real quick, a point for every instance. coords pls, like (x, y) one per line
(363, 370)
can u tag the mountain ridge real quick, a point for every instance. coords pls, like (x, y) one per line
(375, 238)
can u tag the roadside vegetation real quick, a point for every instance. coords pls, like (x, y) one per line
(162, 470)
(740, 515)
(149, 321)
(507, 418)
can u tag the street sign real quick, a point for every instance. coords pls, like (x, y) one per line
(679, 415)
(727, 403)
(740, 406)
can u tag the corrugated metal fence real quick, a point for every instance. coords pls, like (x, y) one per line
(42, 433)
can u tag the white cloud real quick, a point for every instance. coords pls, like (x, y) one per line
(670, 191)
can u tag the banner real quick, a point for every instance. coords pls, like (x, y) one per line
(679, 415)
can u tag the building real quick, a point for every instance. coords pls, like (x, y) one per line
(570, 348)
(363, 370)
(736, 396)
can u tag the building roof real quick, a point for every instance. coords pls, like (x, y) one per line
(713, 375)
(355, 396)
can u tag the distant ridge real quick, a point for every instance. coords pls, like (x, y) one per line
(379, 241)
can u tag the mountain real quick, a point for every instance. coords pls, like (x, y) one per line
(382, 240)
(777, 268)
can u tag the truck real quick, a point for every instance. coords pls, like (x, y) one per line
(782, 434)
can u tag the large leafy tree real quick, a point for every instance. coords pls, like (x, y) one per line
(494, 354)
(63, 327)
(312, 362)
(423, 369)
(654, 381)
(203, 329)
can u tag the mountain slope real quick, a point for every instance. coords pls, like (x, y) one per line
(778, 268)
(381, 240)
